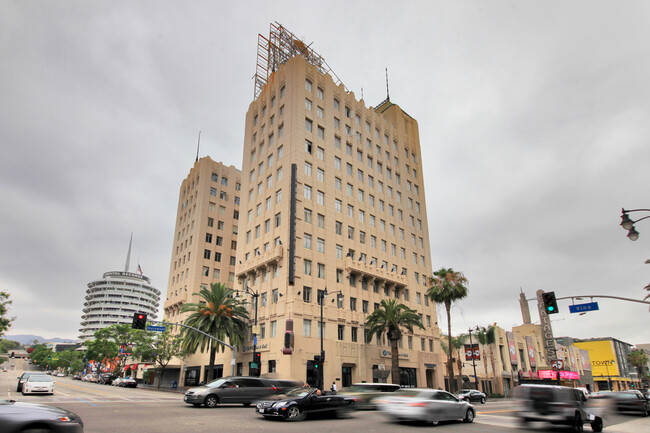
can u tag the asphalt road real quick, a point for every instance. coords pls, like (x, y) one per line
(109, 409)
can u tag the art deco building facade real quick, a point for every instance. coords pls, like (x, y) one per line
(205, 241)
(332, 198)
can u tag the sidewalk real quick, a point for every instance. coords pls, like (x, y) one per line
(636, 426)
(179, 390)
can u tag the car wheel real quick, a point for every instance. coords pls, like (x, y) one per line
(293, 413)
(343, 412)
(469, 416)
(577, 424)
(211, 401)
(482, 400)
(597, 425)
(434, 422)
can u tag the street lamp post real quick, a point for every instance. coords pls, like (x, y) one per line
(471, 345)
(255, 296)
(628, 224)
(321, 374)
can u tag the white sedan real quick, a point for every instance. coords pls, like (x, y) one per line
(428, 405)
(38, 384)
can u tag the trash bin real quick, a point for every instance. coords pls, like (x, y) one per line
(174, 384)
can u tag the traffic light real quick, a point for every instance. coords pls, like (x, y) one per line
(139, 321)
(318, 362)
(256, 365)
(550, 304)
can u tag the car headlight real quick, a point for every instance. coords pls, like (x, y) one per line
(280, 404)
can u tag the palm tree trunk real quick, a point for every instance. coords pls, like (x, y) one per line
(213, 354)
(394, 357)
(485, 368)
(450, 366)
(497, 382)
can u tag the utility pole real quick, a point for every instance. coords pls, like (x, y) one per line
(471, 345)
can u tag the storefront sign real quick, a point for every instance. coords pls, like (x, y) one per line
(552, 374)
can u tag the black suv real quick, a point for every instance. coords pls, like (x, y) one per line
(558, 405)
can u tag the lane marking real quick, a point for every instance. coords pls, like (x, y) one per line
(87, 402)
(498, 411)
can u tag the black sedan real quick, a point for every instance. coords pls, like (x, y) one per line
(471, 395)
(18, 417)
(295, 404)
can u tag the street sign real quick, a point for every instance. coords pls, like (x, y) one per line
(581, 308)
(156, 328)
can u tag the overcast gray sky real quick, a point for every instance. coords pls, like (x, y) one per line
(534, 124)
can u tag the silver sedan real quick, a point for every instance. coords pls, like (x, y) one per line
(428, 405)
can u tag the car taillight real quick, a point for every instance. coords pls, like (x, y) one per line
(419, 404)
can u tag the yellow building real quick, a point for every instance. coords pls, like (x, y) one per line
(609, 364)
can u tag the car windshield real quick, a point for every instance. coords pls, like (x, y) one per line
(40, 379)
(299, 392)
(216, 383)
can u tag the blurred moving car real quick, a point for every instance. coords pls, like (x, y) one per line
(625, 401)
(38, 384)
(558, 405)
(245, 390)
(366, 393)
(427, 405)
(20, 417)
(471, 395)
(23, 377)
(297, 403)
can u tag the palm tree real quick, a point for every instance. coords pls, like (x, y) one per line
(457, 343)
(486, 337)
(219, 314)
(447, 286)
(390, 317)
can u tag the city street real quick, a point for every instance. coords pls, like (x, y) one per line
(106, 409)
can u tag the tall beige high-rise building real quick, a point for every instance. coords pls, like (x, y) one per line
(205, 241)
(332, 198)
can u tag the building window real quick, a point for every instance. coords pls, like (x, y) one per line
(321, 270)
(341, 332)
(320, 245)
(353, 304)
(274, 296)
(307, 192)
(306, 328)
(354, 334)
(308, 85)
(307, 241)
(206, 254)
(306, 294)
(307, 267)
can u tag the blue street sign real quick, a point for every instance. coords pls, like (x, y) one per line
(581, 308)
(255, 342)
(156, 328)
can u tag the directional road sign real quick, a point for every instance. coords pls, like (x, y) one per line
(156, 328)
(581, 308)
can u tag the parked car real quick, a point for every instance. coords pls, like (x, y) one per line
(22, 378)
(366, 393)
(244, 390)
(92, 377)
(427, 405)
(297, 403)
(18, 417)
(106, 378)
(471, 395)
(76, 377)
(557, 405)
(128, 383)
(59, 374)
(38, 384)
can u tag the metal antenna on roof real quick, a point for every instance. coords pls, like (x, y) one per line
(128, 255)
(387, 92)
(362, 93)
(197, 147)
